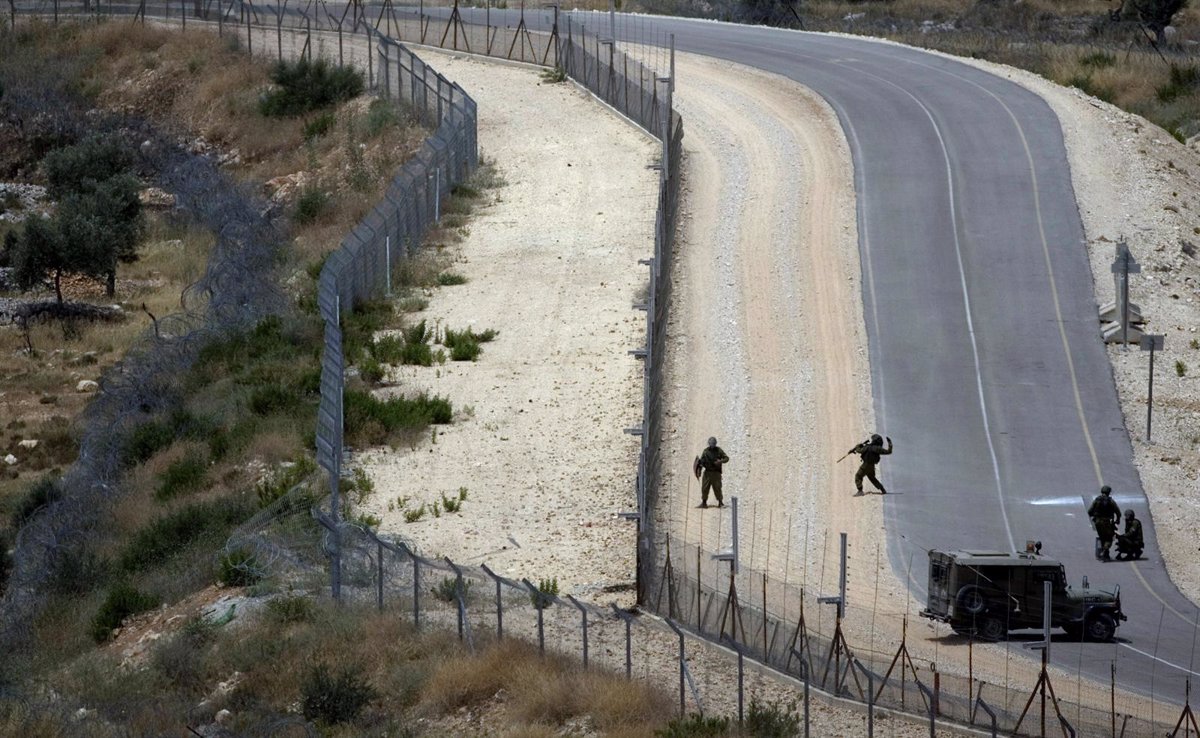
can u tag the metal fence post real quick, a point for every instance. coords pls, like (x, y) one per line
(804, 676)
(682, 702)
(870, 698)
(416, 590)
(460, 595)
(932, 713)
(628, 618)
(583, 615)
(499, 603)
(539, 603)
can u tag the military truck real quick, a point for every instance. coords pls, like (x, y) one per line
(986, 594)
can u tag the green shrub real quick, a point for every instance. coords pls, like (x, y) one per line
(414, 514)
(280, 481)
(334, 699)
(388, 349)
(360, 326)
(182, 476)
(75, 571)
(239, 568)
(145, 441)
(311, 205)
(273, 399)
(412, 304)
(772, 720)
(447, 589)
(180, 659)
(83, 166)
(380, 115)
(454, 504)
(695, 726)
(43, 492)
(1180, 368)
(319, 126)
(1098, 60)
(546, 591)
(554, 76)
(371, 371)
(465, 351)
(372, 420)
(418, 333)
(290, 609)
(447, 279)
(303, 86)
(1180, 81)
(451, 338)
(122, 601)
(168, 535)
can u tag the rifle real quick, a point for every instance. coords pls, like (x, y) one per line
(851, 451)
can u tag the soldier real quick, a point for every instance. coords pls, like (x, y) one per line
(870, 451)
(709, 462)
(1105, 516)
(1130, 543)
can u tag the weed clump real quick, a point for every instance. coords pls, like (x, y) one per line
(464, 345)
(335, 698)
(169, 535)
(279, 482)
(371, 421)
(311, 205)
(695, 726)
(239, 568)
(304, 86)
(182, 476)
(43, 492)
(772, 719)
(1180, 82)
(291, 609)
(547, 590)
(122, 601)
(146, 440)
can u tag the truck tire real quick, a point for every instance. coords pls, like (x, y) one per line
(1099, 627)
(991, 628)
(971, 600)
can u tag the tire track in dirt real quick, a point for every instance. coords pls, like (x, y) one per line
(770, 267)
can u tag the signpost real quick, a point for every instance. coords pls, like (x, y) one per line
(1151, 343)
(1122, 267)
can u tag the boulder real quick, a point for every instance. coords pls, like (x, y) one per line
(87, 385)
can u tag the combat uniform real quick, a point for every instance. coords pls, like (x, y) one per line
(1105, 515)
(870, 451)
(1130, 543)
(711, 459)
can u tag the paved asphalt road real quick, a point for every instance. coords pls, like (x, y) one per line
(987, 366)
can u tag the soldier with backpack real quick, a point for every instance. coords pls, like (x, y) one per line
(1105, 516)
(708, 465)
(869, 451)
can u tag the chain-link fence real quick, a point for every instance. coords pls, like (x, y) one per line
(237, 290)
(789, 626)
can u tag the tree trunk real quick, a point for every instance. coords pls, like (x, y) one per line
(58, 285)
(110, 289)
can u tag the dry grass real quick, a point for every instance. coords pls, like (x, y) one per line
(542, 690)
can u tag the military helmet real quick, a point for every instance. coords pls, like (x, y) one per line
(876, 438)
(712, 442)
(1106, 490)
